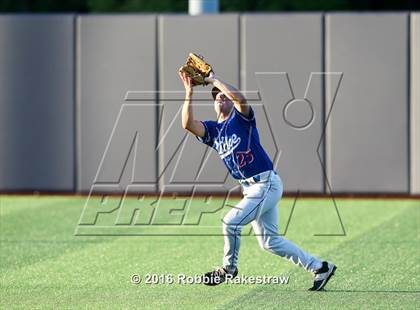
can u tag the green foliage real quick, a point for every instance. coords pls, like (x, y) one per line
(167, 6)
(285, 5)
(146, 6)
(39, 6)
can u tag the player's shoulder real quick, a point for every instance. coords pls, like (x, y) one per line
(247, 118)
(210, 123)
(210, 127)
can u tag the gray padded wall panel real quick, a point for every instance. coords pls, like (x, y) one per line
(116, 54)
(415, 104)
(294, 46)
(36, 103)
(368, 131)
(175, 33)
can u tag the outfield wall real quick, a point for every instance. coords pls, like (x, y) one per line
(65, 80)
(37, 101)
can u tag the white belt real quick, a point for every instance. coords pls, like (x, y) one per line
(261, 177)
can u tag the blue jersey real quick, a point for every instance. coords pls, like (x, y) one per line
(238, 144)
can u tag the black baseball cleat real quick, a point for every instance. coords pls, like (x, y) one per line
(322, 276)
(218, 276)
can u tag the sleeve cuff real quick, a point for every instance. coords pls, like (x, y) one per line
(206, 138)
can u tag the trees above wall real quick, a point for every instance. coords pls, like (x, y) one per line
(161, 6)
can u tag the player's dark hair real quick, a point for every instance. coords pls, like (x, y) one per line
(214, 92)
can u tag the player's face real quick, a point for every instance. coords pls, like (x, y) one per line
(222, 104)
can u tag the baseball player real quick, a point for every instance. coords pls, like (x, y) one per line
(234, 136)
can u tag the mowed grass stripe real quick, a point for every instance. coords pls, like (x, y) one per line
(320, 246)
(44, 222)
(41, 232)
(114, 262)
(330, 249)
(55, 235)
(31, 227)
(103, 269)
(368, 275)
(11, 204)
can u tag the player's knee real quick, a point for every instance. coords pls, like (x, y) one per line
(270, 243)
(231, 228)
(231, 221)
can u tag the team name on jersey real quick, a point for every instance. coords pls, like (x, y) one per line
(225, 145)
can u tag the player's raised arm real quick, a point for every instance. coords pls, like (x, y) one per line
(231, 92)
(188, 121)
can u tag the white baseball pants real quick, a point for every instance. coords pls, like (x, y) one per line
(259, 207)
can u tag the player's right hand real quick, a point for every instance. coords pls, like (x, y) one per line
(187, 81)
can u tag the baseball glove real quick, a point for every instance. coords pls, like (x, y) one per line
(197, 69)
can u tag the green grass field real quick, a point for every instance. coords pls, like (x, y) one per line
(44, 265)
